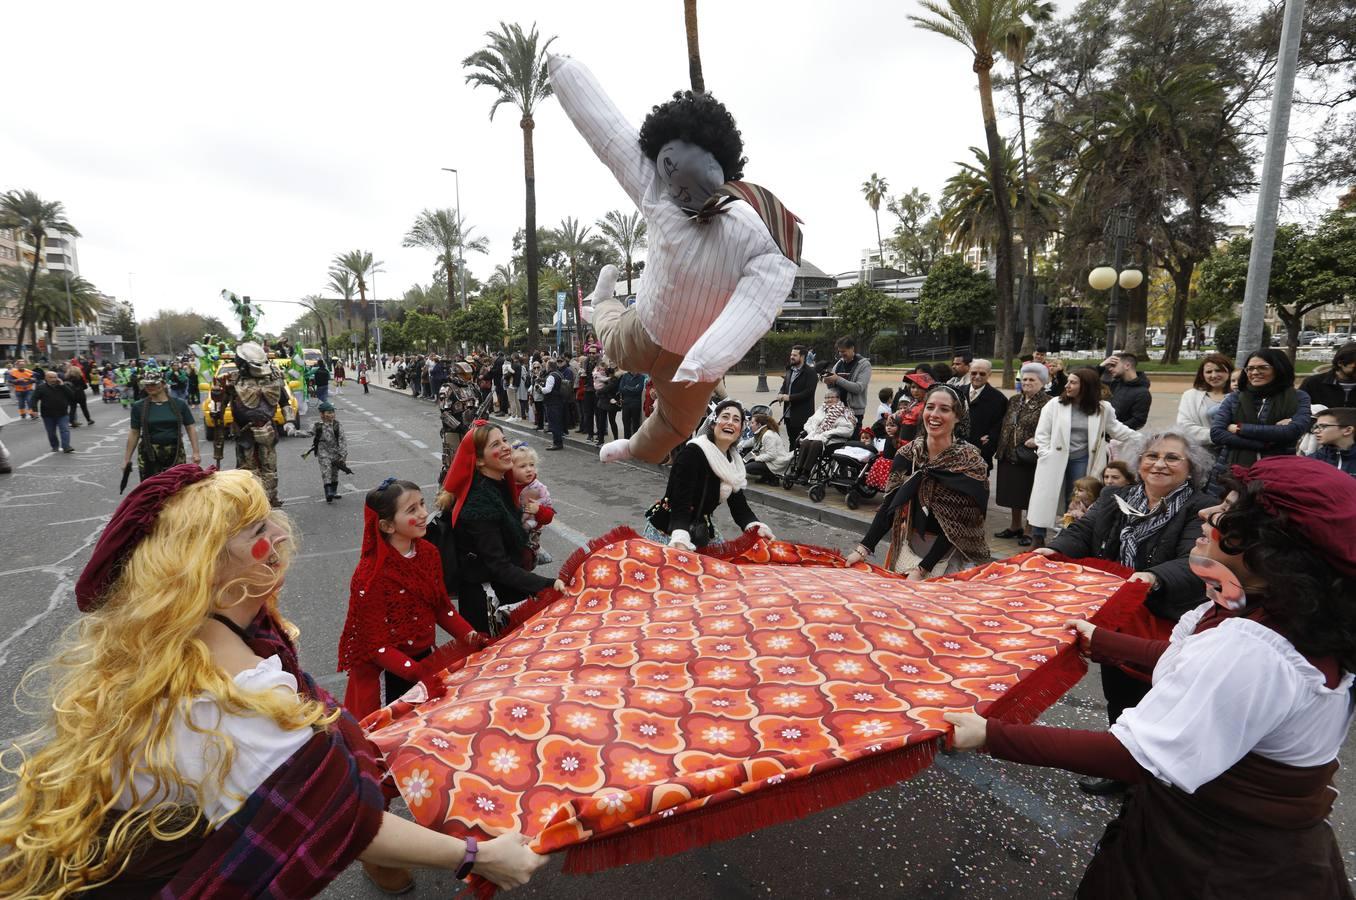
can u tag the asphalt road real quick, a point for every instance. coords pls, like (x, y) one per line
(969, 827)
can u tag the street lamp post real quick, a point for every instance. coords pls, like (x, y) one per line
(1120, 228)
(762, 387)
(461, 264)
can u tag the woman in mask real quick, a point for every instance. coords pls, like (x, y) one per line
(1232, 752)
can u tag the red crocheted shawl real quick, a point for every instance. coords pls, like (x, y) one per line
(392, 599)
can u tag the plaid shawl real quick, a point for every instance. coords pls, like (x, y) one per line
(781, 222)
(954, 487)
(301, 827)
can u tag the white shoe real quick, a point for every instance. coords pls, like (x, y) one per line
(615, 451)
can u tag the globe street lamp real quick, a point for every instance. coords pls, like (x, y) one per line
(1120, 228)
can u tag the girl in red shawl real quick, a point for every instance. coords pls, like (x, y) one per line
(396, 597)
(916, 385)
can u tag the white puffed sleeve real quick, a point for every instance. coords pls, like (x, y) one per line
(1215, 696)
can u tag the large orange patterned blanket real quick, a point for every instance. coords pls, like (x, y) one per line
(671, 698)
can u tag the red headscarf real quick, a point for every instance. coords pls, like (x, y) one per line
(1318, 501)
(463, 470)
(909, 415)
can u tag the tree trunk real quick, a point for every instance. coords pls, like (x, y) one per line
(1136, 319)
(1003, 241)
(367, 318)
(694, 53)
(530, 182)
(1181, 295)
(26, 316)
(1028, 301)
(628, 273)
(451, 292)
(880, 247)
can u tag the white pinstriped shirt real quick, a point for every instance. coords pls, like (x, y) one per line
(710, 290)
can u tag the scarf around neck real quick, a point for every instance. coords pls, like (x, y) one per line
(954, 486)
(1143, 523)
(729, 471)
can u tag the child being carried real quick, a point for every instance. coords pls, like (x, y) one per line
(533, 499)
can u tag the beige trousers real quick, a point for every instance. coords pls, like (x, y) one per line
(678, 407)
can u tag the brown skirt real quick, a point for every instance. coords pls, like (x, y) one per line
(1014, 485)
(1259, 830)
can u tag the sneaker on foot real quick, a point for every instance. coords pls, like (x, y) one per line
(67, 449)
(615, 451)
(543, 558)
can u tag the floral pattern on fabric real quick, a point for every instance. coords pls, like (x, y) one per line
(667, 681)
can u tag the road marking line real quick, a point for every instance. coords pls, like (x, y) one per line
(404, 435)
(579, 539)
(376, 419)
(422, 446)
(385, 424)
(437, 456)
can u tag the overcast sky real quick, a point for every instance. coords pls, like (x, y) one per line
(244, 147)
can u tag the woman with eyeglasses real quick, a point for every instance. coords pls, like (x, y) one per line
(1232, 752)
(1266, 417)
(1150, 527)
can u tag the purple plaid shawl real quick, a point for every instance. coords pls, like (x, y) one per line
(296, 833)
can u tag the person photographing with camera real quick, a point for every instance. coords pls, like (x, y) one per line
(851, 375)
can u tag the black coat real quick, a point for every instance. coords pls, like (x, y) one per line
(1131, 400)
(1098, 534)
(490, 545)
(799, 389)
(694, 493)
(986, 418)
(52, 401)
(1323, 389)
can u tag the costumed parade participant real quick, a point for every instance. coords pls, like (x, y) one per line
(722, 252)
(258, 391)
(1232, 752)
(330, 446)
(258, 784)
(494, 556)
(706, 472)
(153, 434)
(396, 598)
(940, 492)
(457, 403)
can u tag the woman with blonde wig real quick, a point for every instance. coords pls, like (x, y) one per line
(184, 751)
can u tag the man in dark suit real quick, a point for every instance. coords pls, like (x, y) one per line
(797, 394)
(987, 407)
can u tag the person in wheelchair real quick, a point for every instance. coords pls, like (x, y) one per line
(833, 422)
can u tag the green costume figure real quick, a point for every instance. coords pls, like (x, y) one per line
(259, 391)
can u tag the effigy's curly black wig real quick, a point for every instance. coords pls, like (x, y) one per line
(1311, 600)
(698, 119)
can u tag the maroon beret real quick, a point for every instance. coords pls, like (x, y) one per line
(132, 521)
(1317, 499)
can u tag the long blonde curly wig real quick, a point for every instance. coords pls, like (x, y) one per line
(113, 690)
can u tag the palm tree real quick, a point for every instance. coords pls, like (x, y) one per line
(359, 264)
(57, 298)
(515, 66)
(34, 219)
(968, 218)
(982, 27)
(694, 53)
(574, 241)
(343, 284)
(626, 234)
(443, 232)
(874, 189)
(1014, 48)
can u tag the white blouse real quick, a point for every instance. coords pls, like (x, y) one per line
(261, 746)
(1238, 688)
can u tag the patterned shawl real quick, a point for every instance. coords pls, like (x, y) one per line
(781, 222)
(954, 487)
(1143, 523)
(302, 827)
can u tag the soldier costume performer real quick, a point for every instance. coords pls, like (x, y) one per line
(458, 399)
(330, 446)
(258, 392)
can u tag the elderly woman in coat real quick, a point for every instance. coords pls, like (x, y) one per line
(1016, 452)
(1072, 440)
(1151, 527)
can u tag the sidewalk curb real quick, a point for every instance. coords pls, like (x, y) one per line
(785, 502)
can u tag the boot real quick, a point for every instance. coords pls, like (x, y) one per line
(334, 490)
(1037, 541)
(389, 880)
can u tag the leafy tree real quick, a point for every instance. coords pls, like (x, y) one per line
(625, 234)
(983, 27)
(34, 219)
(1226, 336)
(918, 238)
(170, 331)
(343, 283)
(480, 325)
(954, 296)
(578, 244)
(865, 312)
(1328, 58)
(514, 65)
(875, 189)
(122, 324)
(447, 235)
(361, 266)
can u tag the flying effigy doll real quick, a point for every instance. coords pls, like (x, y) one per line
(722, 252)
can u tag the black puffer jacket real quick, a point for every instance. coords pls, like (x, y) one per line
(1098, 534)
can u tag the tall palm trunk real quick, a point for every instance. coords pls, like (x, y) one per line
(1003, 241)
(367, 316)
(1181, 295)
(1027, 304)
(694, 53)
(26, 317)
(530, 182)
(880, 246)
(451, 291)
(628, 273)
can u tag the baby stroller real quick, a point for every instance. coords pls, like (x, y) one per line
(846, 472)
(111, 393)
